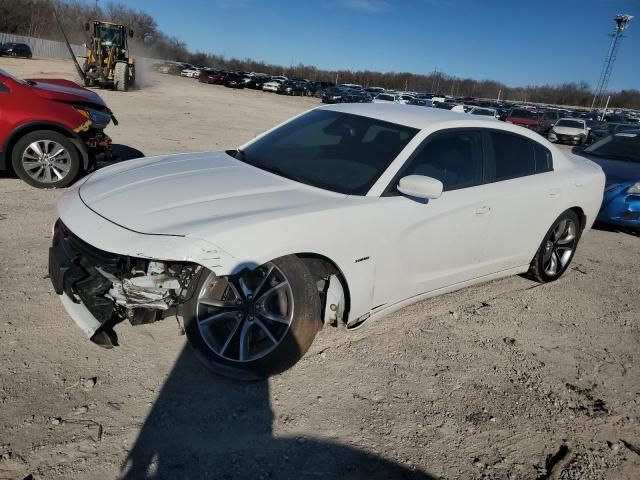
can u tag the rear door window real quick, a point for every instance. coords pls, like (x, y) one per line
(516, 156)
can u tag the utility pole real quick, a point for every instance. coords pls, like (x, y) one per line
(605, 108)
(622, 21)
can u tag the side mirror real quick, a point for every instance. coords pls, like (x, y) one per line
(86, 26)
(130, 33)
(420, 186)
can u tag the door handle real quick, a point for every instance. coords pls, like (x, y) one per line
(484, 210)
(554, 192)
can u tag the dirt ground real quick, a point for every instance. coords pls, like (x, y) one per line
(508, 380)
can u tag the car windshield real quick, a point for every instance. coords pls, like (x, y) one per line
(524, 114)
(621, 146)
(570, 124)
(389, 98)
(334, 151)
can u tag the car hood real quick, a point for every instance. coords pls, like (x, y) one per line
(617, 171)
(568, 130)
(64, 91)
(194, 194)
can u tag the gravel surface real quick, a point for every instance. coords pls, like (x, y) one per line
(508, 380)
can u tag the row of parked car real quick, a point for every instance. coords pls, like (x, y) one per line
(557, 124)
(252, 80)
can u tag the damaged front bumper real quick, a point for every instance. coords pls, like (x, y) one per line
(98, 146)
(619, 207)
(101, 289)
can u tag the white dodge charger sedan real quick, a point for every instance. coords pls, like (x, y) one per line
(342, 214)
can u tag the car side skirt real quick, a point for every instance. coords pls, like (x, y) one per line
(385, 310)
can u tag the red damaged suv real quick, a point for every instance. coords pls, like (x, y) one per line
(51, 130)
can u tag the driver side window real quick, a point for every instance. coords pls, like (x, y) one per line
(454, 157)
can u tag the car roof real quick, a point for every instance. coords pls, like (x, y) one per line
(423, 118)
(408, 115)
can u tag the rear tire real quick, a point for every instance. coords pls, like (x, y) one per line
(274, 308)
(46, 159)
(121, 77)
(557, 249)
(132, 75)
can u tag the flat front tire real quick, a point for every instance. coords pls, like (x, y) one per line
(256, 323)
(557, 248)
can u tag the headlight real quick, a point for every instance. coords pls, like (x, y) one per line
(634, 189)
(99, 119)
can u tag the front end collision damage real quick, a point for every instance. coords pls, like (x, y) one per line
(101, 289)
(619, 207)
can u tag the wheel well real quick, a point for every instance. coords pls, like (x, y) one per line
(322, 267)
(15, 137)
(581, 216)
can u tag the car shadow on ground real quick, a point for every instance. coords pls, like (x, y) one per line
(605, 227)
(120, 153)
(202, 426)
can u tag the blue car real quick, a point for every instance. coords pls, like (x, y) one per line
(619, 157)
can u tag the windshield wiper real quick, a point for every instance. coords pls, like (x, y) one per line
(237, 154)
(241, 155)
(276, 171)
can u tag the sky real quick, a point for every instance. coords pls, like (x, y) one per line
(518, 42)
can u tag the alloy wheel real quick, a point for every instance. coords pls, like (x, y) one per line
(46, 161)
(245, 317)
(559, 247)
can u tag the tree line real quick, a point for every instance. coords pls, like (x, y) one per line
(35, 18)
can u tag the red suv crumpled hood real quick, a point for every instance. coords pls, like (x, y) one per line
(65, 91)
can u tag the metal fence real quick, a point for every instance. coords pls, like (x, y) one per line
(53, 49)
(41, 47)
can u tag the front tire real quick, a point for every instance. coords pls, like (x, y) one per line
(256, 323)
(121, 77)
(557, 249)
(46, 159)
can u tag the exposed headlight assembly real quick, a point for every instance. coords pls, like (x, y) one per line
(99, 119)
(634, 189)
